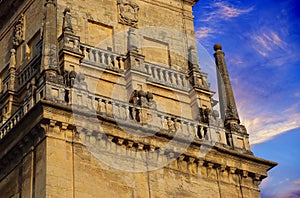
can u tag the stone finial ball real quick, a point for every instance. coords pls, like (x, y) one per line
(67, 10)
(217, 47)
(72, 74)
(149, 96)
(141, 93)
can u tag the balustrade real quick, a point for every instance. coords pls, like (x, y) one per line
(102, 58)
(27, 72)
(11, 122)
(166, 76)
(172, 124)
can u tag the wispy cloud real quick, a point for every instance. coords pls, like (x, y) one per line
(266, 41)
(290, 189)
(204, 32)
(223, 10)
(264, 125)
(216, 14)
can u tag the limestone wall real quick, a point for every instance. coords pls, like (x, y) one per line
(164, 27)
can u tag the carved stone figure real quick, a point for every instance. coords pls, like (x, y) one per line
(128, 12)
(18, 37)
(67, 25)
(72, 76)
(143, 99)
(205, 114)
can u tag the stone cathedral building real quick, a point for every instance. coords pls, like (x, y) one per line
(106, 98)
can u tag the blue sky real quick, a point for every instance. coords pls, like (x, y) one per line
(261, 41)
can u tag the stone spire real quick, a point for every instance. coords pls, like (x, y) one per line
(227, 103)
(50, 53)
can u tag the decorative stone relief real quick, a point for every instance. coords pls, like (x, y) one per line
(18, 37)
(128, 12)
(143, 99)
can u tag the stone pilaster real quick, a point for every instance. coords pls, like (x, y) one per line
(135, 75)
(199, 92)
(70, 54)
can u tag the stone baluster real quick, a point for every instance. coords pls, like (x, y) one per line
(90, 54)
(115, 62)
(162, 121)
(97, 57)
(159, 72)
(180, 80)
(173, 78)
(154, 72)
(184, 82)
(127, 113)
(168, 77)
(195, 130)
(163, 75)
(113, 108)
(176, 125)
(102, 58)
(133, 113)
(122, 63)
(177, 79)
(96, 105)
(106, 107)
(147, 67)
(119, 109)
(108, 60)
(188, 127)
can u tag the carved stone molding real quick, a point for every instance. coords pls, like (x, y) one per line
(19, 32)
(128, 12)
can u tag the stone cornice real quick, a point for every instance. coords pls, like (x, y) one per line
(196, 143)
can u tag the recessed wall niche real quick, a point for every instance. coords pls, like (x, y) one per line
(156, 51)
(100, 35)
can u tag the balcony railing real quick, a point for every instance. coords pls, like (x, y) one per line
(166, 76)
(11, 122)
(102, 58)
(130, 113)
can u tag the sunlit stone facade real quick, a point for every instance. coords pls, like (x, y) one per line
(106, 98)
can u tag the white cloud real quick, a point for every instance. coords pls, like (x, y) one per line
(224, 11)
(217, 13)
(266, 41)
(263, 126)
(203, 32)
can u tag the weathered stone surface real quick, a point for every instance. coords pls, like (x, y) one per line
(106, 99)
